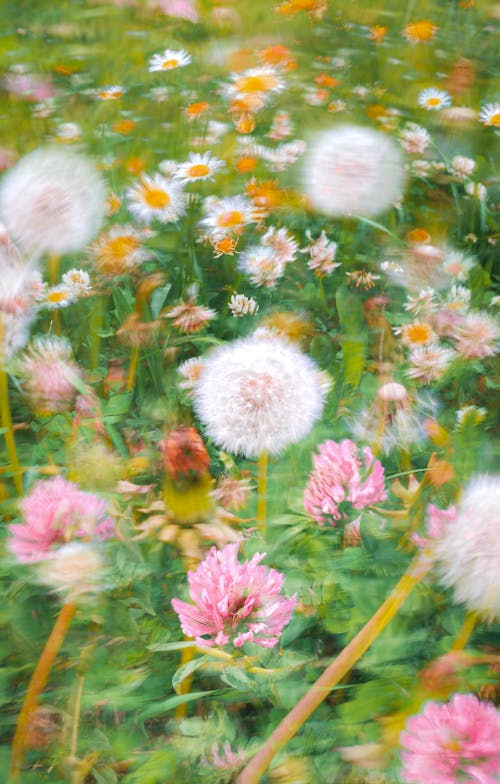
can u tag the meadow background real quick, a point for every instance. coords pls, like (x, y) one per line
(128, 698)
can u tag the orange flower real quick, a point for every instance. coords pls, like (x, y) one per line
(245, 123)
(195, 110)
(316, 8)
(246, 163)
(376, 110)
(377, 33)
(224, 247)
(124, 126)
(135, 165)
(278, 56)
(419, 32)
(325, 80)
(439, 471)
(418, 237)
(65, 70)
(266, 194)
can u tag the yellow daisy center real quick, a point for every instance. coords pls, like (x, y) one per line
(260, 83)
(121, 247)
(433, 101)
(420, 31)
(231, 218)
(57, 296)
(494, 119)
(166, 64)
(419, 333)
(198, 170)
(155, 197)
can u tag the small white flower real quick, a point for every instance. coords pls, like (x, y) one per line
(433, 100)
(262, 264)
(156, 198)
(73, 570)
(170, 59)
(428, 363)
(414, 139)
(111, 93)
(477, 190)
(240, 305)
(59, 296)
(462, 166)
(77, 279)
(490, 114)
(198, 167)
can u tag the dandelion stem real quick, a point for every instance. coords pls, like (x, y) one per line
(465, 632)
(318, 692)
(36, 686)
(6, 419)
(96, 322)
(53, 267)
(262, 492)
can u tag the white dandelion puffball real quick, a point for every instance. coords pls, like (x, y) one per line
(258, 394)
(52, 201)
(468, 552)
(352, 170)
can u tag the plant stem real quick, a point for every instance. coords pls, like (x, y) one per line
(75, 776)
(465, 632)
(53, 267)
(132, 371)
(36, 686)
(294, 720)
(6, 419)
(262, 492)
(185, 687)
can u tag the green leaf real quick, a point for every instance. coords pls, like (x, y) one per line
(159, 708)
(187, 669)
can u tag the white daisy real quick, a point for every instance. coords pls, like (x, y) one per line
(258, 81)
(229, 215)
(169, 60)
(432, 99)
(156, 198)
(200, 166)
(490, 114)
(111, 93)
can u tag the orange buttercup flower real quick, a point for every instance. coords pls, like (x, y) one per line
(246, 163)
(135, 165)
(325, 80)
(376, 110)
(195, 110)
(124, 126)
(245, 123)
(266, 194)
(278, 56)
(377, 33)
(418, 237)
(225, 246)
(419, 32)
(316, 8)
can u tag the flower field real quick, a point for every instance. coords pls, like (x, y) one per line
(249, 385)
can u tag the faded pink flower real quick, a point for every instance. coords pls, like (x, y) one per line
(234, 602)
(190, 317)
(477, 336)
(451, 742)
(437, 521)
(50, 375)
(227, 759)
(55, 512)
(179, 9)
(338, 476)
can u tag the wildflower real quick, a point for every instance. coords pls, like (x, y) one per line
(21, 288)
(419, 333)
(189, 317)
(260, 81)
(225, 246)
(196, 110)
(338, 476)
(232, 493)
(227, 759)
(477, 190)
(419, 32)
(258, 395)
(59, 296)
(322, 252)
(315, 8)
(68, 132)
(229, 216)
(450, 742)
(422, 304)
(353, 170)
(281, 242)
(190, 371)
(75, 569)
(414, 139)
(240, 305)
(112, 93)
(55, 512)
(198, 167)
(428, 363)
(50, 374)
(233, 602)
(477, 336)
(78, 280)
(378, 33)
(433, 100)
(390, 421)
(262, 264)
(156, 198)
(470, 414)
(184, 454)
(490, 114)
(169, 60)
(177, 9)
(462, 166)
(52, 201)
(118, 251)
(278, 57)
(280, 127)
(363, 279)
